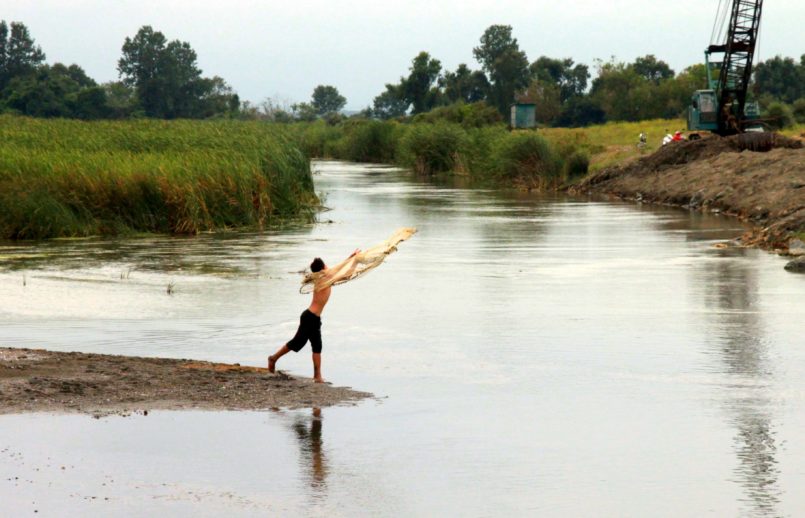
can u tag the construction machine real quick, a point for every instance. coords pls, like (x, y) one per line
(722, 108)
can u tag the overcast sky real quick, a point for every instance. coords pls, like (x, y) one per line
(283, 49)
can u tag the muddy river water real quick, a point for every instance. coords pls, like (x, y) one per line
(532, 356)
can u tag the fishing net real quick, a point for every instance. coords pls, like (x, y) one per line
(355, 266)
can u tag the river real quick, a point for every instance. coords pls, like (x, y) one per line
(531, 356)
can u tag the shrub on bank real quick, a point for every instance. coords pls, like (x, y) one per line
(432, 148)
(315, 138)
(798, 110)
(366, 141)
(487, 153)
(577, 166)
(525, 157)
(473, 115)
(780, 115)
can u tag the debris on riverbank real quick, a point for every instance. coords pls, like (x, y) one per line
(720, 175)
(99, 384)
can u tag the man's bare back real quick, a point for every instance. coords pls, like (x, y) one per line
(320, 299)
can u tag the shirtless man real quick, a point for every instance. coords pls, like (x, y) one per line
(310, 320)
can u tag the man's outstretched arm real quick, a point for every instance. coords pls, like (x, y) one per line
(344, 269)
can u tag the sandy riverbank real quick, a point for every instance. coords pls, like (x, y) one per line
(715, 174)
(46, 381)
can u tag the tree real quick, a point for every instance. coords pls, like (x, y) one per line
(571, 79)
(275, 109)
(167, 80)
(547, 100)
(417, 86)
(620, 91)
(304, 112)
(581, 111)
(495, 41)
(51, 92)
(76, 73)
(695, 76)
(18, 54)
(464, 85)
(781, 78)
(505, 64)
(121, 100)
(215, 97)
(327, 99)
(652, 69)
(391, 103)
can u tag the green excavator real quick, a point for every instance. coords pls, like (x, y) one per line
(723, 108)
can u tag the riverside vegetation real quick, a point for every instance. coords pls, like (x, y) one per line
(66, 178)
(488, 155)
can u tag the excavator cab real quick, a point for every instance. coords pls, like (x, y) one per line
(703, 111)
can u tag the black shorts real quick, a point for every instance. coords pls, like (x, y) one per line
(309, 329)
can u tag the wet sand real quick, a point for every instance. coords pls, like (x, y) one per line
(33, 380)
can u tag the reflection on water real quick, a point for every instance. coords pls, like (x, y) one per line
(312, 458)
(730, 290)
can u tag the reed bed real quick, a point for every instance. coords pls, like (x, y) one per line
(487, 155)
(65, 178)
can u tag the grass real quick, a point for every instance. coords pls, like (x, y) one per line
(487, 154)
(798, 130)
(614, 142)
(64, 178)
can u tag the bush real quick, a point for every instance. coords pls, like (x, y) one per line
(577, 165)
(368, 141)
(780, 114)
(433, 148)
(315, 136)
(524, 156)
(474, 115)
(798, 110)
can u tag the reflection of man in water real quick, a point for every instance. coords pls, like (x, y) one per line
(310, 444)
(310, 320)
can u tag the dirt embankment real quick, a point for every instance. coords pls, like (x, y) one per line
(97, 384)
(720, 174)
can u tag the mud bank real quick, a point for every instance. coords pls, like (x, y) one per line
(718, 175)
(39, 380)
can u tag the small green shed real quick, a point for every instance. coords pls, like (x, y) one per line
(523, 115)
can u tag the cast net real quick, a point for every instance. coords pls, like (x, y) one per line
(355, 266)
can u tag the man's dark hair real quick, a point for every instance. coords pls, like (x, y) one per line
(317, 265)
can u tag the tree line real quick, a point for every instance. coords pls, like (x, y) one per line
(647, 88)
(161, 79)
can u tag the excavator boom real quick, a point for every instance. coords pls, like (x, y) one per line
(738, 52)
(732, 61)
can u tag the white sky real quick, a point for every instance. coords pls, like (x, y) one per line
(285, 48)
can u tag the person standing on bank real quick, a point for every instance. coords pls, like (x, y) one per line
(310, 320)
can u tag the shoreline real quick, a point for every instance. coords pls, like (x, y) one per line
(765, 189)
(38, 380)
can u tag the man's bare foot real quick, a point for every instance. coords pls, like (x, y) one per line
(318, 380)
(272, 363)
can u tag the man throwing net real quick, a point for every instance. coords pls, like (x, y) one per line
(319, 282)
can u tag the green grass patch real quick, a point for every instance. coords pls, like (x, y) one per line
(797, 130)
(65, 178)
